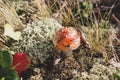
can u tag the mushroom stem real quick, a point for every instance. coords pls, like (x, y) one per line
(69, 53)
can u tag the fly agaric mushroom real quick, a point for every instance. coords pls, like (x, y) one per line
(69, 38)
(21, 62)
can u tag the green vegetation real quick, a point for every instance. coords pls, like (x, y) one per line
(6, 71)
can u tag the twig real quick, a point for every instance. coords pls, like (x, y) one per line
(113, 50)
(111, 9)
(115, 18)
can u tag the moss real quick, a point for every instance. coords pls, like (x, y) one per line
(37, 39)
(66, 69)
(97, 72)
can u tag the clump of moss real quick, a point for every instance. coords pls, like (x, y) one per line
(64, 70)
(37, 39)
(97, 72)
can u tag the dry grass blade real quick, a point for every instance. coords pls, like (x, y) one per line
(42, 7)
(9, 15)
(3, 44)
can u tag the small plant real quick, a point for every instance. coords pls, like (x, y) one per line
(87, 6)
(117, 75)
(11, 66)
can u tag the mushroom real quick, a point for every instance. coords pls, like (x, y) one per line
(68, 39)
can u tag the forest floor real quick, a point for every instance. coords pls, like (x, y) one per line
(98, 20)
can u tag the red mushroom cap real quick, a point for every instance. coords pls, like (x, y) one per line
(67, 38)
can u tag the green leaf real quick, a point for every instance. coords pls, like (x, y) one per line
(90, 5)
(117, 75)
(6, 59)
(8, 74)
(85, 15)
(84, 4)
(2, 78)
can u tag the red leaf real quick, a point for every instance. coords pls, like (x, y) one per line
(21, 62)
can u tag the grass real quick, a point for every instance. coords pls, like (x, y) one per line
(98, 30)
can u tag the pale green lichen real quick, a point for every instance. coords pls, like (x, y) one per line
(37, 39)
(97, 72)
